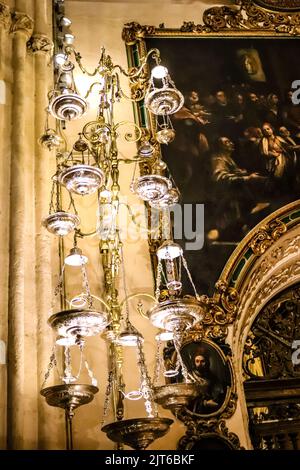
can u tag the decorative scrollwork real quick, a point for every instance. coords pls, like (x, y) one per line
(268, 347)
(245, 16)
(132, 31)
(208, 433)
(266, 236)
(39, 43)
(21, 23)
(5, 17)
(220, 310)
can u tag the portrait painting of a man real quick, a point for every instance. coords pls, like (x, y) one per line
(206, 365)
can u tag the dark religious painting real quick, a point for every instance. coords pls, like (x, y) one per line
(237, 144)
(279, 5)
(206, 365)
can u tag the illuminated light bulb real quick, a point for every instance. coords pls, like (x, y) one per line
(69, 38)
(146, 150)
(105, 194)
(66, 341)
(130, 336)
(164, 336)
(159, 71)
(64, 21)
(169, 250)
(76, 258)
(60, 58)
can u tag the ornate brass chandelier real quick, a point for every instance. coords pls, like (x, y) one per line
(91, 166)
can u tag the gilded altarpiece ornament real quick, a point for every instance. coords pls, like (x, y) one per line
(244, 20)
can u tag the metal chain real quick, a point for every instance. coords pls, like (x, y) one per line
(177, 344)
(58, 288)
(50, 366)
(107, 401)
(157, 364)
(72, 204)
(145, 382)
(124, 284)
(158, 280)
(86, 286)
(190, 277)
(94, 381)
(52, 206)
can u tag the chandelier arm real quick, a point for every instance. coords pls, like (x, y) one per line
(135, 73)
(83, 235)
(77, 56)
(133, 100)
(90, 89)
(123, 123)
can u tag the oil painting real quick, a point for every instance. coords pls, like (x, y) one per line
(237, 144)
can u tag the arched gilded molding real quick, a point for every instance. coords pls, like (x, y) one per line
(40, 43)
(265, 263)
(258, 241)
(5, 16)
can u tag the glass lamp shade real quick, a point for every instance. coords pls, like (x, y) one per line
(82, 179)
(78, 323)
(165, 136)
(130, 336)
(164, 336)
(50, 139)
(67, 106)
(159, 71)
(164, 101)
(65, 341)
(169, 250)
(146, 150)
(76, 258)
(168, 200)
(172, 315)
(61, 223)
(151, 187)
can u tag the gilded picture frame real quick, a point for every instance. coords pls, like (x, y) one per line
(209, 365)
(246, 45)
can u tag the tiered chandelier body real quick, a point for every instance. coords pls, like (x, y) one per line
(91, 165)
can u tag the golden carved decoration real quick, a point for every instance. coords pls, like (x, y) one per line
(21, 23)
(39, 43)
(246, 17)
(5, 18)
(220, 310)
(132, 31)
(210, 430)
(266, 236)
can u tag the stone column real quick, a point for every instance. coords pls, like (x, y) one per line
(40, 45)
(21, 29)
(5, 118)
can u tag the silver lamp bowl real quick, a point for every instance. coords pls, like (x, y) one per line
(81, 179)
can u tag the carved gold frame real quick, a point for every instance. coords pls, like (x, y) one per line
(246, 19)
(228, 406)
